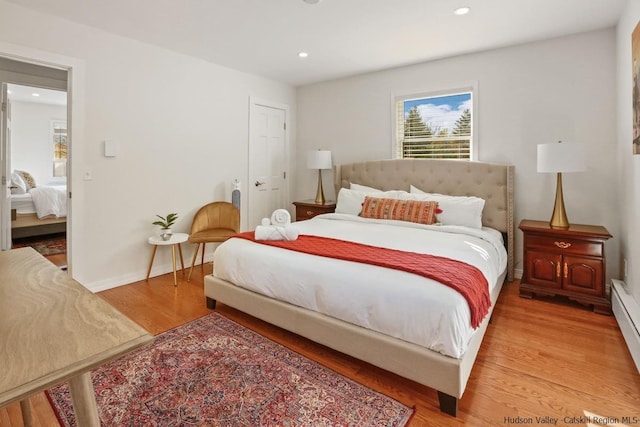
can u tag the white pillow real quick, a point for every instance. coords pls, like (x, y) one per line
(456, 210)
(350, 201)
(27, 178)
(18, 186)
(415, 190)
(359, 187)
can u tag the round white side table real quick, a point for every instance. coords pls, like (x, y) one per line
(176, 240)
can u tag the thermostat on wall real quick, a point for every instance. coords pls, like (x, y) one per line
(110, 148)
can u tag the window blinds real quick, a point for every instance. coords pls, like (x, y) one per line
(416, 139)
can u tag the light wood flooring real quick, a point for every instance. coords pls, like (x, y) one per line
(59, 260)
(539, 358)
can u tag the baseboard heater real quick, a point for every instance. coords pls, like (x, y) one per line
(627, 313)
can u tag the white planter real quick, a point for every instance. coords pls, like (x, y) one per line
(165, 233)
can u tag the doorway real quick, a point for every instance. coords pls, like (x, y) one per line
(268, 161)
(34, 150)
(38, 149)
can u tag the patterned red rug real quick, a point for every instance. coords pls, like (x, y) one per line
(214, 372)
(49, 244)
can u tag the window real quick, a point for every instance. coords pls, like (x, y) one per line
(59, 133)
(435, 126)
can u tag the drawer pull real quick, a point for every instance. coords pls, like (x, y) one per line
(562, 245)
(310, 212)
(566, 270)
(557, 269)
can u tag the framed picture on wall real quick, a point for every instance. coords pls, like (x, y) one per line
(635, 92)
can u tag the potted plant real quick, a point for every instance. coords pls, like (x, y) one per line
(165, 223)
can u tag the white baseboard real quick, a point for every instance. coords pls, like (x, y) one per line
(159, 269)
(627, 313)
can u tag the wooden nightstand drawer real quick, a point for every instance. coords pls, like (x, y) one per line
(307, 209)
(303, 212)
(564, 245)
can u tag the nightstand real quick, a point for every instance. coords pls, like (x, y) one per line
(567, 262)
(307, 209)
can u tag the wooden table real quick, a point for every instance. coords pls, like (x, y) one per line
(53, 330)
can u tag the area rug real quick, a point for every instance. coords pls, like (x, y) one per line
(215, 372)
(49, 244)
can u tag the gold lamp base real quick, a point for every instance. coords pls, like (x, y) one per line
(320, 193)
(559, 217)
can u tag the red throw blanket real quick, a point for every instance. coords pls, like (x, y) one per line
(464, 278)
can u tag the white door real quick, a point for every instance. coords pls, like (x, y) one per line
(267, 162)
(5, 155)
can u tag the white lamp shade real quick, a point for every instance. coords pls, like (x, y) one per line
(561, 157)
(319, 159)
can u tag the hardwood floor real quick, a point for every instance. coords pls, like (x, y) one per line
(59, 260)
(540, 358)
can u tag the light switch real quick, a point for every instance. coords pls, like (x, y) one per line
(110, 148)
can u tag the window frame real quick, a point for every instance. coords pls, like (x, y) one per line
(470, 87)
(59, 132)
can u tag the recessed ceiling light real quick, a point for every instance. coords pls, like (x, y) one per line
(462, 10)
(302, 54)
(35, 94)
(311, 1)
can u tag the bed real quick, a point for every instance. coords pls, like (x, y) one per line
(437, 367)
(40, 210)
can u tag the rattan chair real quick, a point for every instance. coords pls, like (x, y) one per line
(213, 223)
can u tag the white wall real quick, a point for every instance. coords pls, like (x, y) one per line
(182, 130)
(182, 125)
(561, 89)
(628, 165)
(31, 139)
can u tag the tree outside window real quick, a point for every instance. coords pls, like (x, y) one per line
(435, 127)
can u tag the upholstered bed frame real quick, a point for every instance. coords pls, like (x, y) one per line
(492, 182)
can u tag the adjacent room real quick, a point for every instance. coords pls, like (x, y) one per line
(392, 213)
(38, 170)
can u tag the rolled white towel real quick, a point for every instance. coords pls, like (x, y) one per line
(266, 221)
(266, 232)
(291, 232)
(280, 217)
(272, 232)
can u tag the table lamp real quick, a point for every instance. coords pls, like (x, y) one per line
(319, 159)
(560, 157)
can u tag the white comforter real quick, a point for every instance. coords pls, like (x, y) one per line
(396, 303)
(50, 201)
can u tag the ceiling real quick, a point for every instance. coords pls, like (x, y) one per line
(342, 37)
(44, 96)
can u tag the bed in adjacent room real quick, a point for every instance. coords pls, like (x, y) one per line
(36, 210)
(412, 294)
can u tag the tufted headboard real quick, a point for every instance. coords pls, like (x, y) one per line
(492, 182)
